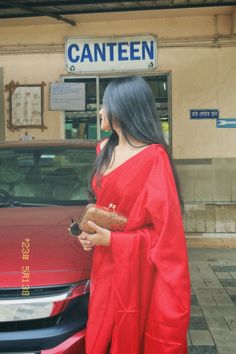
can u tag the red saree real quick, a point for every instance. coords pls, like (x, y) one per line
(140, 287)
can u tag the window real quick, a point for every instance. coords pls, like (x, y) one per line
(159, 86)
(85, 124)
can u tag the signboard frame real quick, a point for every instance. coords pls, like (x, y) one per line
(128, 43)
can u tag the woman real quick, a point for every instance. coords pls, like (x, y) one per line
(140, 289)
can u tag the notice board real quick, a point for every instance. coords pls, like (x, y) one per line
(67, 96)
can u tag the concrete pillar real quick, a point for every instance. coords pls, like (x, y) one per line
(234, 21)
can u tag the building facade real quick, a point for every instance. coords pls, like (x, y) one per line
(193, 84)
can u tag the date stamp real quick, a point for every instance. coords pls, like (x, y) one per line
(25, 269)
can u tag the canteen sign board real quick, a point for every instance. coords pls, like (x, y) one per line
(86, 55)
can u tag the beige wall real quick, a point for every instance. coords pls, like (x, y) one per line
(33, 69)
(197, 47)
(202, 78)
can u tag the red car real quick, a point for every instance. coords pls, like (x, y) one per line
(44, 283)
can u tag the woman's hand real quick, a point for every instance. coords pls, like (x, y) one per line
(101, 237)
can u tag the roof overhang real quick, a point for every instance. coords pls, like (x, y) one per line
(61, 9)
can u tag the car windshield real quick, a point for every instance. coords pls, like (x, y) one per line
(45, 175)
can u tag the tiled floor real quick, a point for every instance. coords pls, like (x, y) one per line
(212, 327)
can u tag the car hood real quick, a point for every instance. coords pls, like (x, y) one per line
(35, 240)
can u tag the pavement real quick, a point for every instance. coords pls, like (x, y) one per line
(212, 327)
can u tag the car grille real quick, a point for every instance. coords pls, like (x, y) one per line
(14, 293)
(28, 324)
(42, 320)
(41, 308)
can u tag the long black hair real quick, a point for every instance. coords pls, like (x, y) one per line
(129, 104)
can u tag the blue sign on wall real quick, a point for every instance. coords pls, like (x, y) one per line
(226, 123)
(204, 113)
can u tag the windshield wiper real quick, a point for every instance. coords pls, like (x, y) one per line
(28, 204)
(5, 205)
(16, 204)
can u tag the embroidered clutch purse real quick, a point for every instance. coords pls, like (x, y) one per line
(107, 218)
